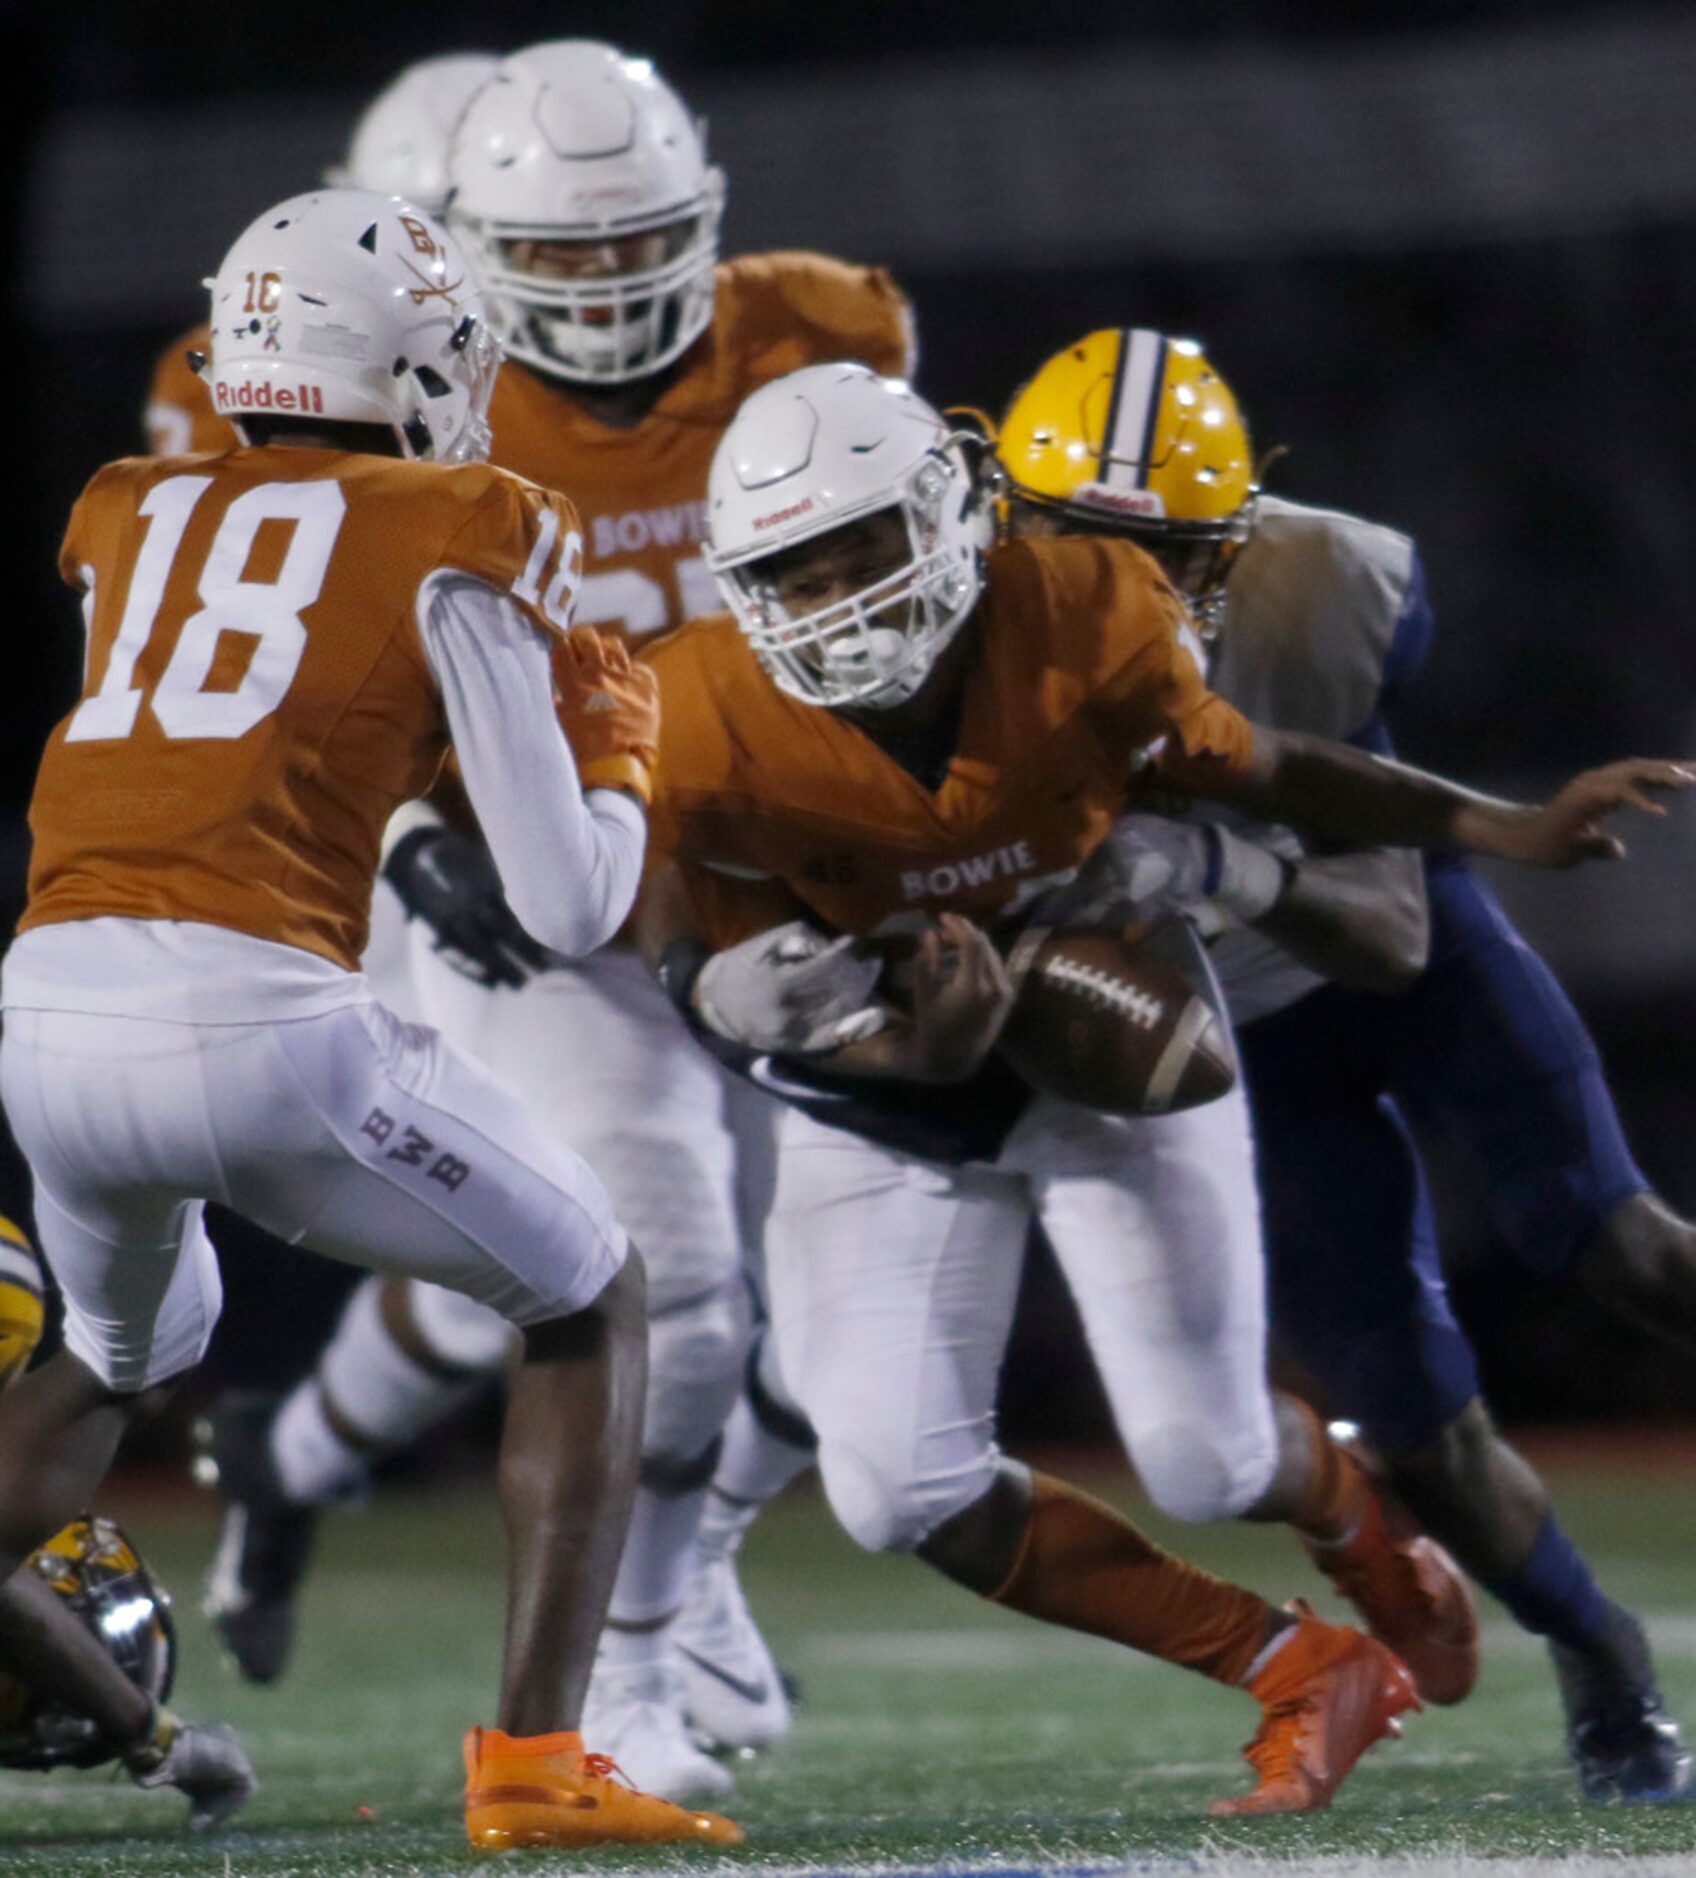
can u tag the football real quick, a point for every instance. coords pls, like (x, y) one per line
(1116, 1020)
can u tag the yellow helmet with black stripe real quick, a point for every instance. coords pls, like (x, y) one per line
(21, 1314)
(1132, 432)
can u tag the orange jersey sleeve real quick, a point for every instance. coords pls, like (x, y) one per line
(793, 309)
(1129, 639)
(257, 701)
(179, 418)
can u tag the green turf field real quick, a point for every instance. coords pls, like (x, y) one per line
(935, 1731)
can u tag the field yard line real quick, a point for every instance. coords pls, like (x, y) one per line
(1439, 1862)
(1673, 1634)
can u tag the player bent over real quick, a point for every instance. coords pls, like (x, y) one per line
(894, 722)
(283, 641)
(87, 1648)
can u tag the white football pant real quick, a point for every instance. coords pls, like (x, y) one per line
(893, 1281)
(350, 1132)
(605, 1064)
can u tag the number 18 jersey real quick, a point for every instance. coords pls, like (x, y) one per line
(256, 697)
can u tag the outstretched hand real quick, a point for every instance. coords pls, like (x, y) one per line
(1570, 827)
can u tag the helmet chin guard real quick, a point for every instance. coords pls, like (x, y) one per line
(347, 305)
(814, 452)
(573, 143)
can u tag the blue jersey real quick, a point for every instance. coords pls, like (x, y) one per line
(1482, 1058)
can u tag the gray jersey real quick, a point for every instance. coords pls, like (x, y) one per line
(1313, 605)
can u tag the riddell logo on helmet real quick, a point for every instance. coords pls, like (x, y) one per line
(266, 396)
(784, 515)
(1120, 501)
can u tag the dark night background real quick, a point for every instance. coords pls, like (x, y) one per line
(1445, 253)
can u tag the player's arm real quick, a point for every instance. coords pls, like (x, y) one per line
(791, 989)
(1357, 919)
(566, 831)
(1348, 798)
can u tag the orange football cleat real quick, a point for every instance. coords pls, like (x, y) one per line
(544, 1790)
(1411, 1595)
(1326, 1696)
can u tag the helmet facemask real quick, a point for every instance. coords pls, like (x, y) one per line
(586, 155)
(875, 648)
(1195, 557)
(624, 319)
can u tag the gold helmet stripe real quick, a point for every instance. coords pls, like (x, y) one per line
(1128, 443)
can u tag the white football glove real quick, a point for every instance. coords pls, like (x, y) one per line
(793, 990)
(204, 1761)
(1150, 865)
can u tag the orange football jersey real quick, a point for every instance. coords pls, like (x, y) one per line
(642, 490)
(179, 418)
(256, 698)
(1085, 669)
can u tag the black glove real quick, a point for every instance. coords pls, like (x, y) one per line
(449, 881)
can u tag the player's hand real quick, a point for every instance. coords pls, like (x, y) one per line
(961, 997)
(206, 1763)
(792, 990)
(449, 881)
(1570, 828)
(1150, 865)
(609, 709)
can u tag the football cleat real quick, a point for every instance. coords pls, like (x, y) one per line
(636, 1712)
(544, 1790)
(1623, 1743)
(1410, 1593)
(1327, 1695)
(733, 1693)
(264, 1544)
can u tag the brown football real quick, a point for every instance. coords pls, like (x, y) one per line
(1115, 1021)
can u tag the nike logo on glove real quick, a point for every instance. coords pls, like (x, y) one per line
(764, 1071)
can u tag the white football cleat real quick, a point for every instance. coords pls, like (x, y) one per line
(634, 1715)
(732, 1690)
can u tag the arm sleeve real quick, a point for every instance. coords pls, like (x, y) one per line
(569, 863)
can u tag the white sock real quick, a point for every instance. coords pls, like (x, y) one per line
(659, 1556)
(754, 1466)
(315, 1465)
(376, 1390)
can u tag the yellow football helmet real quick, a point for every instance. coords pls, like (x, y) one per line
(1132, 432)
(95, 1569)
(21, 1315)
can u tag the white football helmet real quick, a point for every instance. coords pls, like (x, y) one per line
(826, 446)
(400, 144)
(348, 305)
(573, 142)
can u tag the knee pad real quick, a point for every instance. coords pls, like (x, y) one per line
(1192, 1474)
(459, 1332)
(696, 1353)
(885, 1511)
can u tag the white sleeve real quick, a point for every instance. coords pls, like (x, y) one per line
(569, 863)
